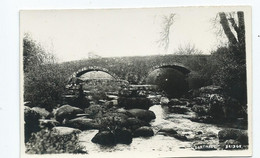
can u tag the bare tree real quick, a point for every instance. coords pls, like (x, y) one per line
(188, 49)
(165, 33)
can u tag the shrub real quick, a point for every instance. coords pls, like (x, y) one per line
(231, 73)
(44, 86)
(48, 142)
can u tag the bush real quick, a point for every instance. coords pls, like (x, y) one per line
(48, 142)
(231, 73)
(44, 86)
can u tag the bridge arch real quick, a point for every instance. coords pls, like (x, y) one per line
(75, 76)
(171, 78)
(183, 69)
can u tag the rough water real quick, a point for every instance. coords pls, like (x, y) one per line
(159, 142)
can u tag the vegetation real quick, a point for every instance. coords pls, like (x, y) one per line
(43, 78)
(49, 142)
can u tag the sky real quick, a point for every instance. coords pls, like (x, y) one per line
(73, 34)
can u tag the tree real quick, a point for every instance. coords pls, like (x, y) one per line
(231, 61)
(43, 78)
(165, 33)
(34, 55)
(236, 41)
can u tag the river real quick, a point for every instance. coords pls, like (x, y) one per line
(194, 131)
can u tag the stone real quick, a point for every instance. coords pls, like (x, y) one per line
(134, 123)
(43, 112)
(164, 101)
(180, 137)
(143, 132)
(123, 136)
(81, 123)
(104, 138)
(63, 131)
(67, 112)
(235, 134)
(168, 131)
(112, 97)
(145, 115)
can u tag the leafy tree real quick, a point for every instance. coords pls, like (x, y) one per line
(231, 60)
(44, 80)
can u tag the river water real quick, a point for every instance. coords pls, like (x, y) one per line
(160, 143)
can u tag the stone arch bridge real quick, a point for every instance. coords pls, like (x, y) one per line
(73, 79)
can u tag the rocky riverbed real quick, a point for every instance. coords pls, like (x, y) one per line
(161, 125)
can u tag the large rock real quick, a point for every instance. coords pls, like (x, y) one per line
(145, 115)
(82, 123)
(180, 137)
(168, 131)
(123, 136)
(164, 101)
(67, 112)
(143, 132)
(42, 112)
(134, 102)
(63, 131)
(235, 134)
(134, 123)
(104, 138)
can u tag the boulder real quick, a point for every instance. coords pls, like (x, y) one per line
(235, 134)
(134, 102)
(145, 115)
(42, 112)
(63, 131)
(143, 132)
(164, 101)
(180, 137)
(123, 136)
(168, 131)
(104, 138)
(81, 123)
(67, 112)
(134, 123)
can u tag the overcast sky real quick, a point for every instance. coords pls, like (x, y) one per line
(72, 34)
